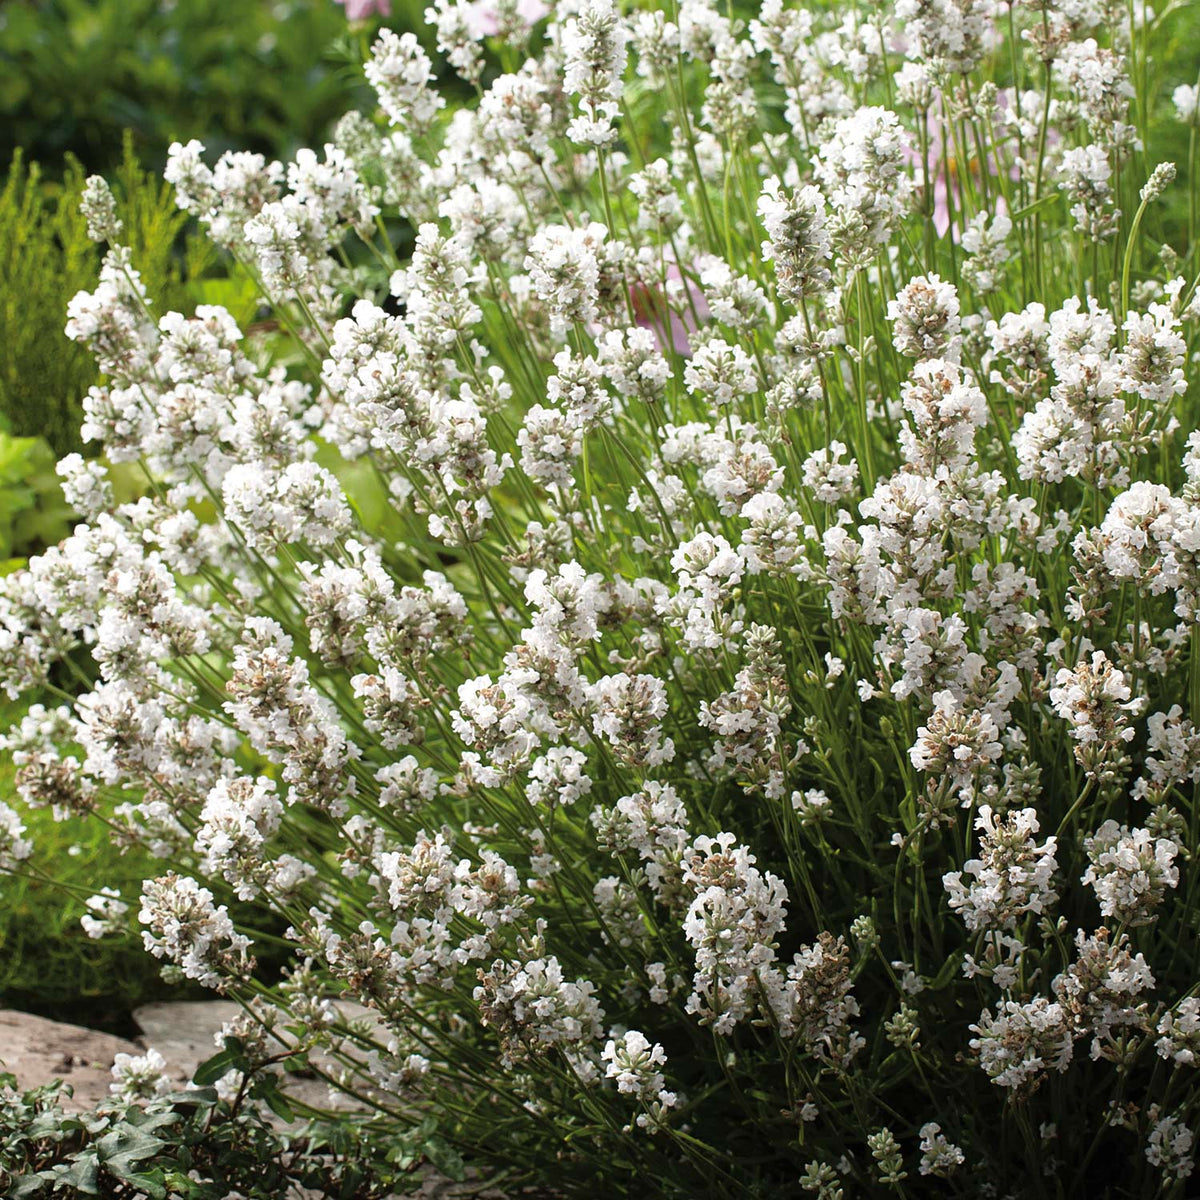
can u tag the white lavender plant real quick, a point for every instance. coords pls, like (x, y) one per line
(704, 646)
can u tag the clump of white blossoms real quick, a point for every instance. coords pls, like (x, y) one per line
(634, 1064)
(1130, 871)
(1014, 877)
(682, 602)
(139, 1077)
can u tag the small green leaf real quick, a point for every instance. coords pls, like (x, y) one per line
(447, 1160)
(216, 1067)
(26, 1186)
(267, 1090)
(83, 1175)
(151, 1184)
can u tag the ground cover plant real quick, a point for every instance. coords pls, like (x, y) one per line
(705, 645)
(218, 1138)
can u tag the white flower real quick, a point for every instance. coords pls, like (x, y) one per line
(860, 166)
(731, 923)
(99, 210)
(139, 1077)
(400, 72)
(1013, 875)
(629, 711)
(1179, 1033)
(198, 937)
(925, 319)
(1129, 870)
(721, 372)
(946, 410)
(1021, 1041)
(830, 480)
(531, 1003)
(1186, 99)
(565, 270)
(797, 238)
(633, 1063)
(593, 44)
(106, 913)
(1170, 1148)
(1084, 174)
(1095, 698)
(939, 1156)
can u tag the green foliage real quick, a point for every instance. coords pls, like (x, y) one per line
(75, 73)
(32, 509)
(46, 257)
(47, 963)
(196, 1144)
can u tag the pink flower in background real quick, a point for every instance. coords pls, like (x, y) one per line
(485, 20)
(648, 312)
(947, 176)
(359, 10)
(947, 183)
(482, 16)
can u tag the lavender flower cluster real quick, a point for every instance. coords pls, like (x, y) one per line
(705, 645)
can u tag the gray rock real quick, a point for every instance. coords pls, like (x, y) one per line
(38, 1051)
(184, 1033)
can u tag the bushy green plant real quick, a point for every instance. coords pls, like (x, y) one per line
(45, 258)
(48, 964)
(754, 751)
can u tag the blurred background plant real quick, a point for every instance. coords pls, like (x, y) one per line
(32, 509)
(76, 74)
